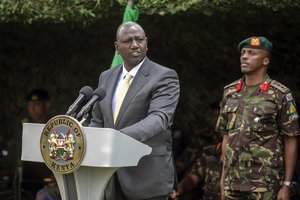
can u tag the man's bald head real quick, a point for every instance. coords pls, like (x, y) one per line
(126, 26)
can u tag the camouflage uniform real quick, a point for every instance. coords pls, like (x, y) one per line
(207, 168)
(187, 158)
(255, 124)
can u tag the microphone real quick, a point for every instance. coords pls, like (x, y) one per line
(84, 94)
(98, 95)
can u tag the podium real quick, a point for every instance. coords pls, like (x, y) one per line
(106, 151)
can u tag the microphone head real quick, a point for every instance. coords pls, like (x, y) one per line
(100, 92)
(86, 91)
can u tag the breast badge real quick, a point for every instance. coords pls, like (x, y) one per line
(62, 144)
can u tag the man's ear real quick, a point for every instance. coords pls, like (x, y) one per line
(266, 61)
(117, 47)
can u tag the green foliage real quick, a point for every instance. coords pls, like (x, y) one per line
(208, 7)
(87, 11)
(54, 11)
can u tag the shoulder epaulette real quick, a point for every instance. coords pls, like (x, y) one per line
(233, 87)
(232, 84)
(25, 120)
(213, 148)
(280, 86)
(209, 147)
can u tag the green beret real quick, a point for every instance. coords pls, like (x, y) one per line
(37, 95)
(257, 43)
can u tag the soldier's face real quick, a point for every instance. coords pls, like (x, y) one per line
(131, 44)
(37, 109)
(253, 60)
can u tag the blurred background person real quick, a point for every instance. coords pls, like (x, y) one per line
(33, 177)
(199, 165)
(38, 105)
(206, 136)
(202, 182)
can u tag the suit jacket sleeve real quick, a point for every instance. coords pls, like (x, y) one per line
(162, 104)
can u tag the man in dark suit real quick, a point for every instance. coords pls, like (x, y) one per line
(145, 114)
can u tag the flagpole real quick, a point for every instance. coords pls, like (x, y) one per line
(131, 14)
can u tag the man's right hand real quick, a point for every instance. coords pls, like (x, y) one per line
(175, 195)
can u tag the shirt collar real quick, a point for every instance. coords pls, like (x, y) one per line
(133, 71)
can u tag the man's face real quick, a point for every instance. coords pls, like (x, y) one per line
(37, 109)
(131, 44)
(253, 60)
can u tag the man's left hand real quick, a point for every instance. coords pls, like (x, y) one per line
(284, 193)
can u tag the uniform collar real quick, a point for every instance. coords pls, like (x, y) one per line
(263, 86)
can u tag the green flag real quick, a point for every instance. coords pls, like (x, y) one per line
(130, 14)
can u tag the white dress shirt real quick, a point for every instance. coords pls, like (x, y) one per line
(133, 73)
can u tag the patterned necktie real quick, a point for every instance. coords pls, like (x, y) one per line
(124, 85)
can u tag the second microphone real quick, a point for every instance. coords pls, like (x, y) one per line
(98, 95)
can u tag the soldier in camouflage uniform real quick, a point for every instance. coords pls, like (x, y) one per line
(205, 172)
(36, 177)
(205, 137)
(187, 158)
(260, 124)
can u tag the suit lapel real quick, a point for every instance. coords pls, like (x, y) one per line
(138, 82)
(111, 85)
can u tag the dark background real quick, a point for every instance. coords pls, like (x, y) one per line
(62, 58)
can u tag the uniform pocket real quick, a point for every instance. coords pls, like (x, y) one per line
(264, 117)
(230, 110)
